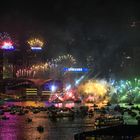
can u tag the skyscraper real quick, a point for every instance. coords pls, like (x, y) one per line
(130, 63)
(1, 64)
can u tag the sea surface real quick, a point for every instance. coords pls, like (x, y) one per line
(17, 128)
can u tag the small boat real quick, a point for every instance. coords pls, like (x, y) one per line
(1, 112)
(102, 122)
(1, 102)
(65, 114)
(40, 129)
(130, 104)
(5, 118)
(29, 120)
(36, 111)
(21, 113)
(12, 112)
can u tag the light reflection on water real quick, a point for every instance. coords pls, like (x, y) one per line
(16, 128)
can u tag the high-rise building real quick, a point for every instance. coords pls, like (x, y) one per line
(130, 63)
(90, 62)
(1, 64)
(136, 52)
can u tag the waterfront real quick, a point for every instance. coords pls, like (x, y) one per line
(70, 68)
(63, 128)
(15, 119)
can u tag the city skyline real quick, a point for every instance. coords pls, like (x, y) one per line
(101, 29)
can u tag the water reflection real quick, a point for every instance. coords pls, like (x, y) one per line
(17, 128)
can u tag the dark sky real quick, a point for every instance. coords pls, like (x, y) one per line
(100, 28)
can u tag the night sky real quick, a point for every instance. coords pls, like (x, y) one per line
(102, 29)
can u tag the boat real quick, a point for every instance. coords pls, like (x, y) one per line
(1, 102)
(64, 114)
(108, 121)
(61, 113)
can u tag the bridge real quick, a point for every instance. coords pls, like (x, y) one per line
(23, 82)
(30, 87)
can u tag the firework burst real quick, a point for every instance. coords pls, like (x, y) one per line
(6, 42)
(126, 90)
(65, 60)
(94, 90)
(35, 43)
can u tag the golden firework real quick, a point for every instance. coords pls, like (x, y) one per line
(95, 89)
(35, 42)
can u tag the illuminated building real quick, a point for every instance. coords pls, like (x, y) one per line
(136, 53)
(130, 63)
(1, 64)
(90, 62)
